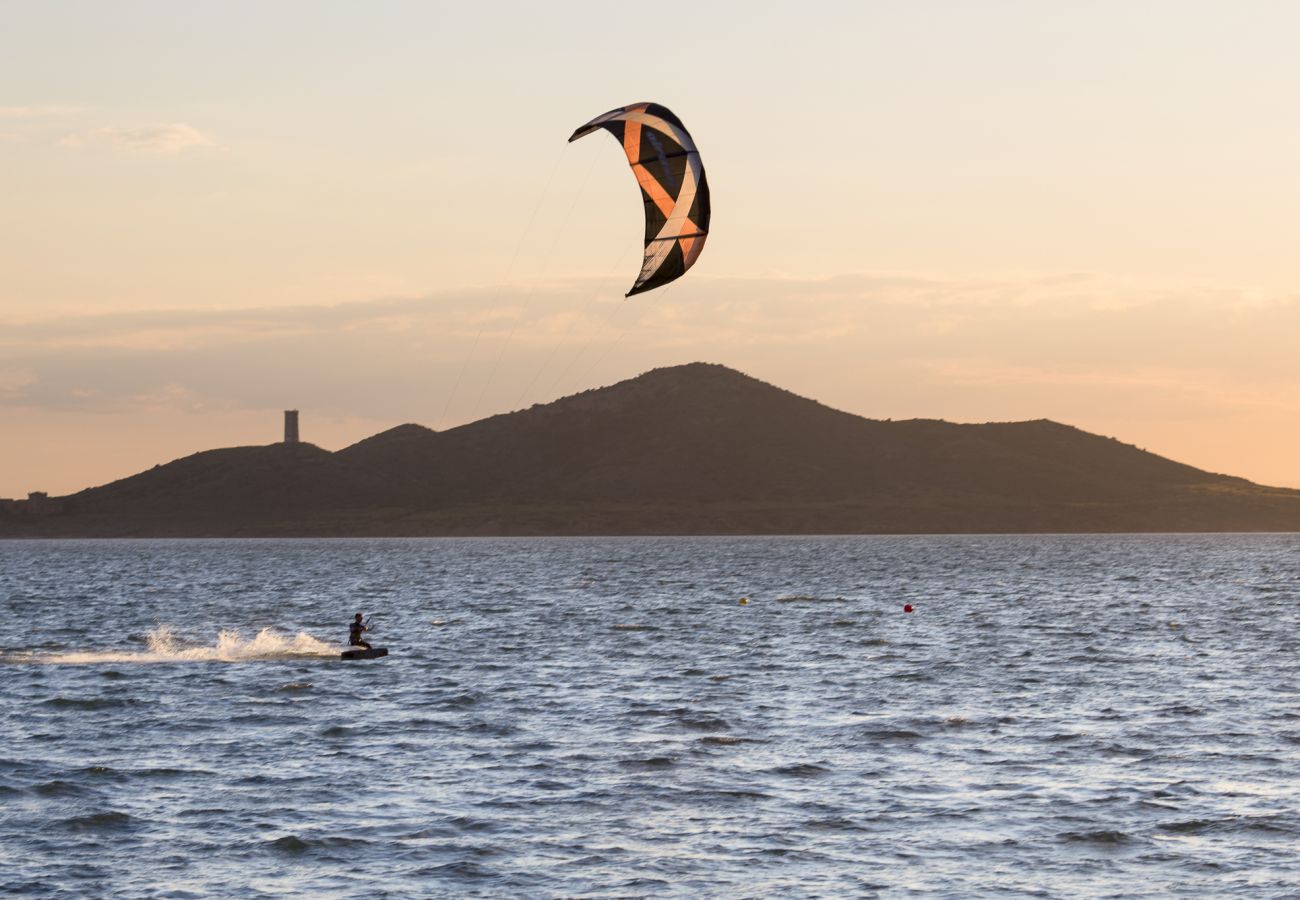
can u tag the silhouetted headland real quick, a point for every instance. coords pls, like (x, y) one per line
(694, 449)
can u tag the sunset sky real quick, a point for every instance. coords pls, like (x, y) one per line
(976, 211)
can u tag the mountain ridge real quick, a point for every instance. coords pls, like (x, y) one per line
(690, 449)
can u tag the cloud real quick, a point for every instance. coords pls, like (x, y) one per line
(1081, 349)
(168, 138)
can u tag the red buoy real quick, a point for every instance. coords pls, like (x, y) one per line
(907, 607)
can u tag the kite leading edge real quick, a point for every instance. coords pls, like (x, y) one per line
(667, 167)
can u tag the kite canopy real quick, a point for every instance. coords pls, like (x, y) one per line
(668, 168)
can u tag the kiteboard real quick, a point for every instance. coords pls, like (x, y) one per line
(362, 653)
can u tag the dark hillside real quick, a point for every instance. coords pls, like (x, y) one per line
(685, 450)
(705, 433)
(238, 490)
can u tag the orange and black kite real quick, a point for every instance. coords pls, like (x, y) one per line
(668, 168)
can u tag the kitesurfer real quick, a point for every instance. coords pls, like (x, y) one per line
(354, 633)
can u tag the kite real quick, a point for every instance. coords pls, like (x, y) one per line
(668, 168)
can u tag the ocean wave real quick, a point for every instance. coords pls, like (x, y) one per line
(89, 703)
(164, 645)
(649, 764)
(800, 770)
(1098, 836)
(293, 845)
(1274, 823)
(703, 723)
(60, 788)
(892, 734)
(107, 820)
(833, 823)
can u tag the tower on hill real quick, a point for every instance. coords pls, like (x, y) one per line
(291, 426)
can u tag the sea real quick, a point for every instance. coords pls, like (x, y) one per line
(1057, 716)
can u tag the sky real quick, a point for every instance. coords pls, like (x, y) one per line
(973, 211)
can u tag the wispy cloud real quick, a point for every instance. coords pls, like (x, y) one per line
(930, 340)
(165, 138)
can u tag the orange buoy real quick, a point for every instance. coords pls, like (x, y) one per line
(907, 607)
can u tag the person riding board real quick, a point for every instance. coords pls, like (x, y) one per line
(354, 633)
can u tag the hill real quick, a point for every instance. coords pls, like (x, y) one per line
(684, 450)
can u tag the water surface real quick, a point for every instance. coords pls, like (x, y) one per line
(1059, 716)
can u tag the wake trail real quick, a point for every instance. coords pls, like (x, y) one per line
(165, 646)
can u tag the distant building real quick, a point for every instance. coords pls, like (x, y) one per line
(39, 503)
(291, 426)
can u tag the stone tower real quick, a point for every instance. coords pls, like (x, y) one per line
(291, 426)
